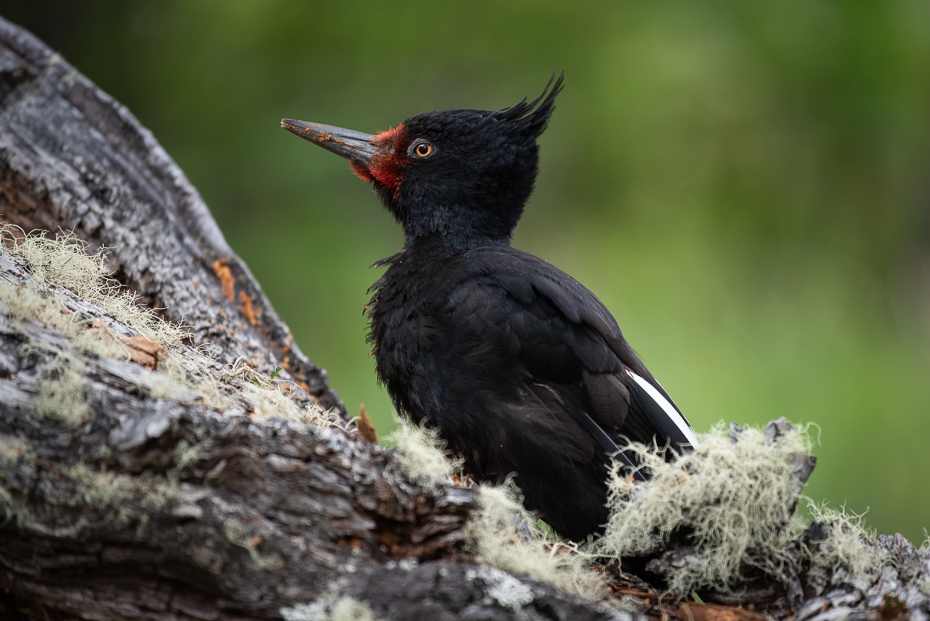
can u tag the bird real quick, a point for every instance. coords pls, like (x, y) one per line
(519, 367)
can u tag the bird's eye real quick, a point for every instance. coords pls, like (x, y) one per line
(423, 149)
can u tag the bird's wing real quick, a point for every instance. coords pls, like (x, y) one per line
(566, 337)
(582, 307)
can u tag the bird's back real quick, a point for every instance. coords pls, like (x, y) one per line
(505, 355)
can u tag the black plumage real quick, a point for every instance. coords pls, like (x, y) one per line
(520, 367)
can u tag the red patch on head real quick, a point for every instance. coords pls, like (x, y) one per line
(387, 166)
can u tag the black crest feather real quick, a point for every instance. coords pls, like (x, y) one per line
(533, 117)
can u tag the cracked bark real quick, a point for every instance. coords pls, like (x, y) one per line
(72, 158)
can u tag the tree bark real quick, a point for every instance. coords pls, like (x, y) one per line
(158, 503)
(72, 158)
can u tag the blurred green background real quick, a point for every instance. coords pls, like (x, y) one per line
(745, 185)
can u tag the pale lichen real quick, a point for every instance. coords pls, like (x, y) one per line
(501, 533)
(13, 450)
(847, 543)
(734, 495)
(506, 590)
(27, 301)
(61, 394)
(238, 535)
(121, 497)
(65, 261)
(733, 499)
(426, 457)
(330, 607)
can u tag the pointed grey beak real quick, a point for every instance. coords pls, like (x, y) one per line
(350, 144)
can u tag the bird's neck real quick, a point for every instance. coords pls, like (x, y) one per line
(455, 224)
(438, 245)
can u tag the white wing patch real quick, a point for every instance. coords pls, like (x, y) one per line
(669, 409)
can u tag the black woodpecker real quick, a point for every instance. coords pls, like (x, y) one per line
(519, 366)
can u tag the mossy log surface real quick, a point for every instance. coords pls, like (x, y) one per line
(154, 504)
(163, 508)
(166, 509)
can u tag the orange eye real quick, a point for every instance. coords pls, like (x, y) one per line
(423, 149)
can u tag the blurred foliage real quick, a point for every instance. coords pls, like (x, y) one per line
(745, 185)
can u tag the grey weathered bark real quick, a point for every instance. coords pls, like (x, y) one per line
(160, 504)
(75, 159)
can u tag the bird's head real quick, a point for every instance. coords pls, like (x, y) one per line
(462, 176)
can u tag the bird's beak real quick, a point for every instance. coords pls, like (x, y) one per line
(352, 145)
